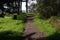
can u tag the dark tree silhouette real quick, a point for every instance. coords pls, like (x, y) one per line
(48, 8)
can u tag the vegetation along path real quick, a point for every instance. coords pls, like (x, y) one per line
(31, 31)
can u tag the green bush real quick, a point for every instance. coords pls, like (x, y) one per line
(22, 17)
(48, 8)
(8, 15)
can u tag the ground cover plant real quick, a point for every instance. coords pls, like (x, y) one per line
(11, 29)
(52, 32)
(44, 26)
(55, 21)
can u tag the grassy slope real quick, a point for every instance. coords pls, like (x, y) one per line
(10, 28)
(9, 24)
(55, 21)
(44, 26)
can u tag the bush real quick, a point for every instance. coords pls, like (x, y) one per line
(48, 8)
(22, 17)
(8, 14)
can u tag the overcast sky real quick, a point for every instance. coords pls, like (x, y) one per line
(24, 6)
(29, 3)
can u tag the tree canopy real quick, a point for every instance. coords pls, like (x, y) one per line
(48, 8)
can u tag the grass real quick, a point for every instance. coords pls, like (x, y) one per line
(44, 26)
(55, 21)
(11, 29)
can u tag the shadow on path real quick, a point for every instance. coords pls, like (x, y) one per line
(28, 37)
(55, 36)
(8, 35)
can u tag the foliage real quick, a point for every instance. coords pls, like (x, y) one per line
(8, 14)
(22, 16)
(48, 8)
(32, 8)
(10, 29)
(55, 21)
(44, 26)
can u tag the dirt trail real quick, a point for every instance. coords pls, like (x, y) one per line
(32, 32)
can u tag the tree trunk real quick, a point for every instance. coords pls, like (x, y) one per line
(26, 5)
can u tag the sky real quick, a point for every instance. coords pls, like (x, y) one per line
(24, 6)
(29, 3)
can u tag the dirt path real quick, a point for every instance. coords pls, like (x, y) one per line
(31, 31)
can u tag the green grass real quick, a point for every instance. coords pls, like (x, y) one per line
(44, 26)
(10, 28)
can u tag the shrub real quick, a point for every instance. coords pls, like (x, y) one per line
(48, 8)
(22, 17)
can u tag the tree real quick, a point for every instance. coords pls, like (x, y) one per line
(33, 7)
(48, 8)
(2, 9)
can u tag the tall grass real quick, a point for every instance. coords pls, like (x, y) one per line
(10, 29)
(44, 26)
